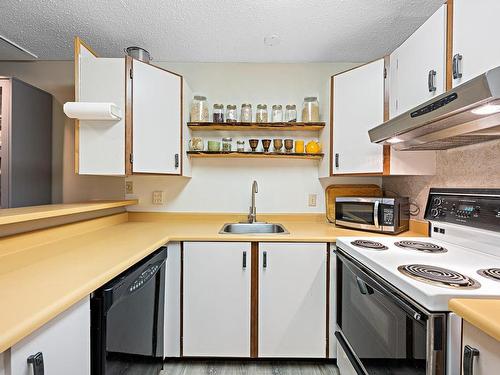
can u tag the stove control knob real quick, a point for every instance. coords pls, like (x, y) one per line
(437, 201)
(435, 212)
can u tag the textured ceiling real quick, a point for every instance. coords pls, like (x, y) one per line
(216, 30)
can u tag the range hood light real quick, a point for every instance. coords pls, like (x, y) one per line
(394, 140)
(487, 109)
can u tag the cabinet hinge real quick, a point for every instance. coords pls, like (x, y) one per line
(131, 74)
(385, 73)
(131, 158)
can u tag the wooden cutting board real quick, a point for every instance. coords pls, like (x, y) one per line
(334, 191)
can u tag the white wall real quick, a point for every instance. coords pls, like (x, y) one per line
(223, 185)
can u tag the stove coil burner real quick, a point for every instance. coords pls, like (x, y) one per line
(439, 276)
(490, 273)
(369, 245)
(425, 247)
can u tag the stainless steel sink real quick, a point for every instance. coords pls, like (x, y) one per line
(253, 228)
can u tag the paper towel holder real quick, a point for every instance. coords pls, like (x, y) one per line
(92, 111)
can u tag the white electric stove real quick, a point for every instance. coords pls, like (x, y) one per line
(393, 292)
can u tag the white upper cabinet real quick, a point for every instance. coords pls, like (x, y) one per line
(157, 119)
(475, 38)
(358, 106)
(292, 300)
(418, 66)
(148, 137)
(216, 300)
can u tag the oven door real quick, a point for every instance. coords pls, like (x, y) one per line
(360, 213)
(380, 330)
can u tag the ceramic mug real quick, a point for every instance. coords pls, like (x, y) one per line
(278, 144)
(213, 146)
(266, 143)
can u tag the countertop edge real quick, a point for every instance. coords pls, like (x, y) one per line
(474, 314)
(23, 214)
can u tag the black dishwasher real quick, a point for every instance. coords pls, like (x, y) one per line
(127, 319)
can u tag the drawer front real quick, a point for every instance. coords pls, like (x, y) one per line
(480, 352)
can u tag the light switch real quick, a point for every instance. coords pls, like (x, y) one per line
(158, 197)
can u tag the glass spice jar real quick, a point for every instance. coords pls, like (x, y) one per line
(310, 109)
(261, 114)
(227, 144)
(277, 113)
(240, 146)
(218, 114)
(231, 114)
(291, 113)
(199, 109)
(246, 113)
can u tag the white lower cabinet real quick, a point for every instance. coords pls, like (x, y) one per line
(64, 343)
(480, 352)
(216, 299)
(292, 300)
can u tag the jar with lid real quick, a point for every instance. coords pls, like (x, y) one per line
(218, 114)
(246, 113)
(291, 113)
(261, 114)
(310, 109)
(240, 146)
(199, 109)
(231, 113)
(227, 144)
(277, 113)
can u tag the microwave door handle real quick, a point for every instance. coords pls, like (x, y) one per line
(376, 208)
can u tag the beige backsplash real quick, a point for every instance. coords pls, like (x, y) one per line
(476, 166)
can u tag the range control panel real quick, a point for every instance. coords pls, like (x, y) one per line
(479, 208)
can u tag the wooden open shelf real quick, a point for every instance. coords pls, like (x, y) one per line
(244, 126)
(252, 154)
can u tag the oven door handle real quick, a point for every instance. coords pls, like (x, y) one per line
(376, 209)
(370, 282)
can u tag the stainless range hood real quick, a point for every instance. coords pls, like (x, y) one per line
(467, 114)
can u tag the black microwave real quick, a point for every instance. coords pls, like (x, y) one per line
(385, 215)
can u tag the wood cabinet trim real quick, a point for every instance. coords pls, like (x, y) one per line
(76, 62)
(449, 45)
(254, 301)
(129, 105)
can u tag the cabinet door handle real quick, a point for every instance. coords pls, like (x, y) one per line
(176, 160)
(36, 361)
(431, 80)
(264, 259)
(457, 66)
(337, 160)
(469, 354)
(244, 259)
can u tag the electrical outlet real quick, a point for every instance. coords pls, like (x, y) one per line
(312, 200)
(129, 187)
(158, 197)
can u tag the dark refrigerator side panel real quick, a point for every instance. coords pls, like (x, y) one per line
(30, 156)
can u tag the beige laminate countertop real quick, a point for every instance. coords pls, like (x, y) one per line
(22, 214)
(482, 313)
(44, 272)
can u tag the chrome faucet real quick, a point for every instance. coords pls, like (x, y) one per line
(252, 216)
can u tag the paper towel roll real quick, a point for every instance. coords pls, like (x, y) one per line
(92, 111)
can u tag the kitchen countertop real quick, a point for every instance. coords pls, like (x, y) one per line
(44, 272)
(21, 214)
(482, 313)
